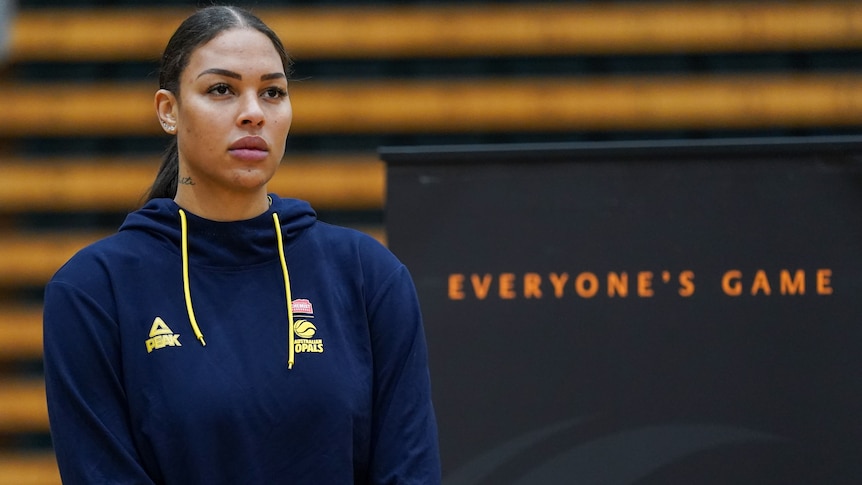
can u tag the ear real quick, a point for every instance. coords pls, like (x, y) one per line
(166, 109)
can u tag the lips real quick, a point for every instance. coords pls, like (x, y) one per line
(249, 148)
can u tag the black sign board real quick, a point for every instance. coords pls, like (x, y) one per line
(667, 312)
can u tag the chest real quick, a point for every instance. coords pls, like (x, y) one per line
(175, 383)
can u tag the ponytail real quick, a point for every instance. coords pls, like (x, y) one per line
(165, 185)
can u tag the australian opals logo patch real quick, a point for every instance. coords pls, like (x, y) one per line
(303, 313)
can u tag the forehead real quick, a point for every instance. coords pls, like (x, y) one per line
(238, 50)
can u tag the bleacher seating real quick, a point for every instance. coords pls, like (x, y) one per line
(381, 74)
(446, 30)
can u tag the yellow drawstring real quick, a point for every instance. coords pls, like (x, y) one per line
(290, 352)
(186, 290)
(188, 294)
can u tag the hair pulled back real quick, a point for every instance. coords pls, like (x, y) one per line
(195, 31)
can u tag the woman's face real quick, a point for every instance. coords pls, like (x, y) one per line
(233, 114)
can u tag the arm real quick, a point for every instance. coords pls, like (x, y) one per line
(87, 405)
(404, 430)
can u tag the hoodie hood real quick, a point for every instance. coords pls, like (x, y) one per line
(226, 244)
(223, 244)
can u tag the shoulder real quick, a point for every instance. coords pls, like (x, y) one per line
(94, 263)
(356, 251)
(354, 241)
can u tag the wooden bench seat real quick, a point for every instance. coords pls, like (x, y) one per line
(29, 260)
(108, 184)
(58, 34)
(29, 468)
(21, 331)
(523, 104)
(22, 406)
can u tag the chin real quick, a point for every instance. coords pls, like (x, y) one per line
(251, 180)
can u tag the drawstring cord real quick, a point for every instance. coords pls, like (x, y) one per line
(188, 294)
(290, 351)
(186, 290)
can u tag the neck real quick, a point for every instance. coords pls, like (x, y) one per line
(224, 207)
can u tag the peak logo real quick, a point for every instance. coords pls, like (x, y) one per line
(161, 336)
(304, 329)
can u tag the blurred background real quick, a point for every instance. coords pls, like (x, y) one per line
(80, 144)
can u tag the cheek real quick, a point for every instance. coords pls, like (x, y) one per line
(200, 116)
(195, 140)
(285, 117)
(201, 130)
(281, 123)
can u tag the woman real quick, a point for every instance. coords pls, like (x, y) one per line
(224, 335)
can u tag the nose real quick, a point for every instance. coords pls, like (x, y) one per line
(250, 113)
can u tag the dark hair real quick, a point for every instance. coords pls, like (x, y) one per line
(195, 31)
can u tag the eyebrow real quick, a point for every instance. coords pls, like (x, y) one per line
(234, 75)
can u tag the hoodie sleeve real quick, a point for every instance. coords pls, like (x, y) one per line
(404, 430)
(86, 400)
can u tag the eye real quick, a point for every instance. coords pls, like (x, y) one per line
(220, 89)
(274, 92)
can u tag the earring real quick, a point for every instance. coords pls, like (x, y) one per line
(168, 127)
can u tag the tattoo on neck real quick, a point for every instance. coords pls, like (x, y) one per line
(187, 181)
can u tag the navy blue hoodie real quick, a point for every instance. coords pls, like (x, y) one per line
(189, 370)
